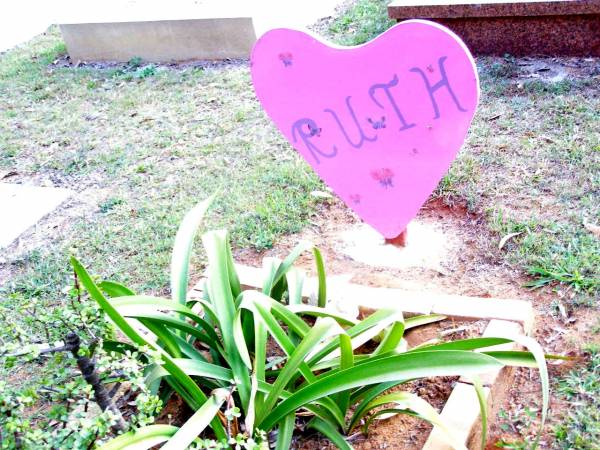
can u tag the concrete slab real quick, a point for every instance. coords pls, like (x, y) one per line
(21, 207)
(160, 41)
(180, 30)
(427, 246)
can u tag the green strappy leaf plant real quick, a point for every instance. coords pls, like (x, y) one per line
(270, 354)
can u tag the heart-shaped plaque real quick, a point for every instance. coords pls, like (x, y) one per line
(381, 122)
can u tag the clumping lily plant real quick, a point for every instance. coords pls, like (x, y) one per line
(256, 366)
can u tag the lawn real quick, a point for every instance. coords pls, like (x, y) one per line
(140, 144)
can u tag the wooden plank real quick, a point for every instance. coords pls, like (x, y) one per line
(460, 414)
(486, 308)
(462, 410)
(367, 299)
(24, 206)
(503, 329)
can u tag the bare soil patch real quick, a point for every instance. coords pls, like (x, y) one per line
(472, 266)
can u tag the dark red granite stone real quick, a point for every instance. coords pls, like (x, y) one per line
(555, 28)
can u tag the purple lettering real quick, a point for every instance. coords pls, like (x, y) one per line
(385, 87)
(440, 84)
(362, 138)
(307, 129)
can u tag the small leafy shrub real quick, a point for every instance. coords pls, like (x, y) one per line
(145, 71)
(247, 362)
(74, 421)
(134, 70)
(135, 62)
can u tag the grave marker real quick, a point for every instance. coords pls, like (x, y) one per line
(380, 123)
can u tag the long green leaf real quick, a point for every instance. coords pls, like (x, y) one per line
(106, 306)
(321, 277)
(164, 337)
(399, 367)
(142, 438)
(330, 432)
(260, 359)
(418, 321)
(316, 311)
(386, 413)
(517, 358)
(482, 409)
(114, 289)
(285, 432)
(188, 349)
(240, 339)
(323, 407)
(251, 414)
(289, 261)
(270, 266)
(260, 305)
(218, 286)
(295, 281)
(346, 361)
(171, 322)
(145, 303)
(182, 249)
(538, 353)
(234, 281)
(366, 394)
(192, 368)
(463, 344)
(198, 422)
(223, 304)
(360, 333)
(391, 340)
(322, 329)
(286, 315)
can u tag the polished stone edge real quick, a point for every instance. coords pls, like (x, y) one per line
(398, 9)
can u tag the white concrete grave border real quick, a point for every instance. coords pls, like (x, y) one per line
(23, 206)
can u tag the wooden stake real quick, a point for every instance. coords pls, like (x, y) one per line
(398, 241)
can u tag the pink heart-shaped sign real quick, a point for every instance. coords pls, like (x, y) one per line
(380, 123)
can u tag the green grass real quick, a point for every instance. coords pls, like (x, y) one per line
(553, 253)
(361, 22)
(580, 426)
(140, 147)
